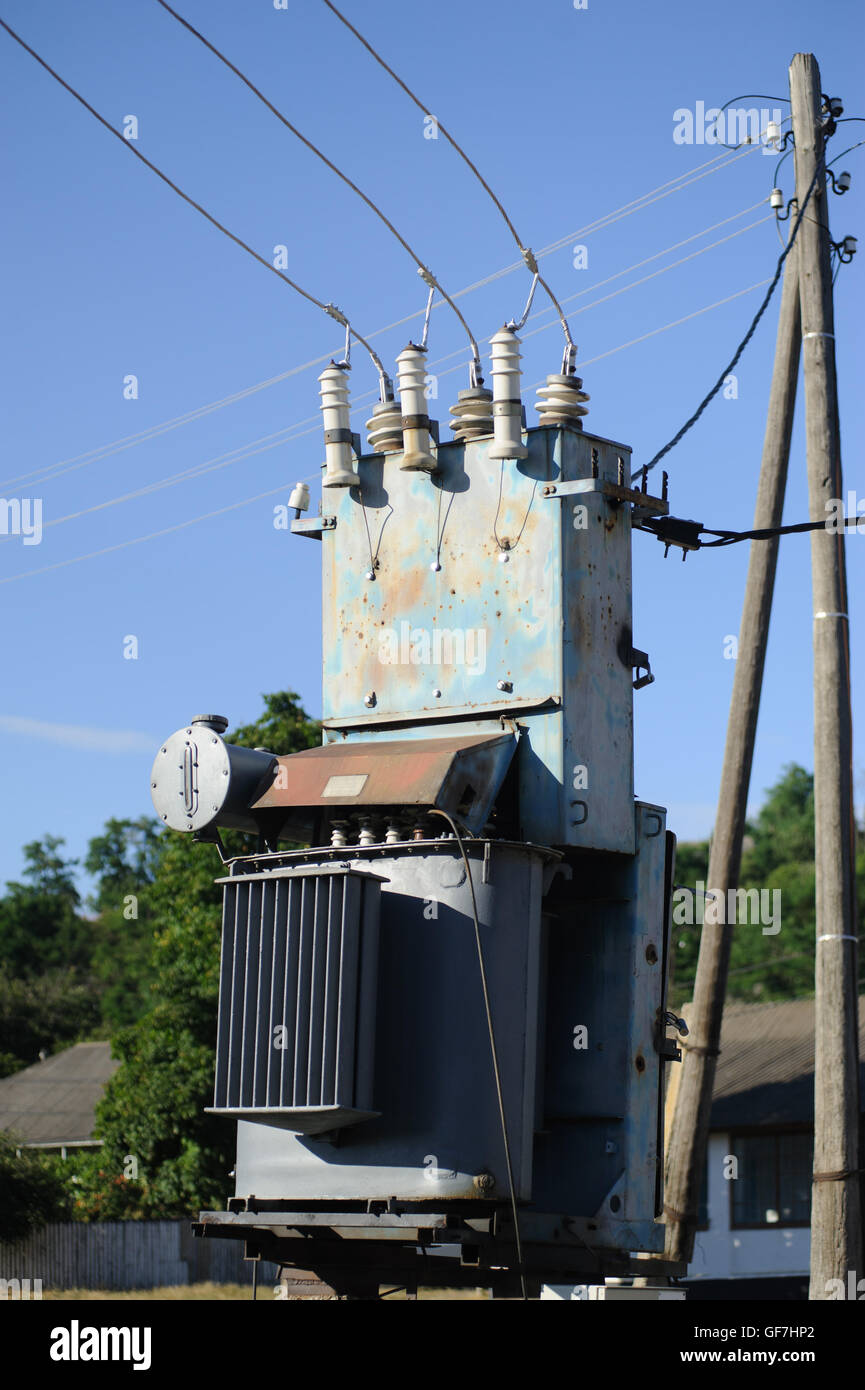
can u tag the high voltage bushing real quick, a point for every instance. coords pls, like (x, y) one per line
(472, 416)
(411, 378)
(333, 389)
(507, 405)
(560, 401)
(384, 428)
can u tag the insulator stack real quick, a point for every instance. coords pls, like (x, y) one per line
(411, 379)
(472, 416)
(333, 389)
(507, 405)
(384, 428)
(560, 401)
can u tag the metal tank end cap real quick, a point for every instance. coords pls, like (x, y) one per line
(217, 722)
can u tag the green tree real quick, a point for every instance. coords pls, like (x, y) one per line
(32, 1192)
(124, 860)
(778, 857)
(153, 1109)
(40, 926)
(43, 1013)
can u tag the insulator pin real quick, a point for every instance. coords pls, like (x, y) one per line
(384, 428)
(333, 389)
(560, 401)
(411, 379)
(507, 406)
(472, 416)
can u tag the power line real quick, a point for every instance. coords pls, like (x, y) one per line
(425, 272)
(525, 251)
(745, 341)
(673, 530)
(653, 274)
(206, 516)
(628, 209)
(286, 436)
(329, 309)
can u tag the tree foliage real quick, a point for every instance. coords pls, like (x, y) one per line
(32, 1191)
(778, 857)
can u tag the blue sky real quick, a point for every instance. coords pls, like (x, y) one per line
(570, 115)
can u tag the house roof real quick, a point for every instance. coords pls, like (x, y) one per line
(54, 1102)
(765, 1072)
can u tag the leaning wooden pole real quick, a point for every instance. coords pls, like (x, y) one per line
(836, 1235)
(689, 1132)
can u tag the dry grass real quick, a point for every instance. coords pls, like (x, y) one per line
(238, 1293)
(178, 1292)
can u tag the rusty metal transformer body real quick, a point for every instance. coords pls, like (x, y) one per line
(478, 662)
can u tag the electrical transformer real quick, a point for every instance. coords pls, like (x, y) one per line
(442, 1019)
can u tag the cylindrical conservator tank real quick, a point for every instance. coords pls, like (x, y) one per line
(198, 780)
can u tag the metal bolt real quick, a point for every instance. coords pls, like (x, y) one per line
(437, 694)
(484, 1182)
(369, 699)
(505, 685)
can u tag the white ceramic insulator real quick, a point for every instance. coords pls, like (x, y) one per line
(384, 428)
(472, 416)
(411, 380)
(560, 400)
(333, 388)
(507, 406)
(299, 498)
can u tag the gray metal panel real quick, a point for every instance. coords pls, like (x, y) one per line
(597, 1154)
(438, 1128)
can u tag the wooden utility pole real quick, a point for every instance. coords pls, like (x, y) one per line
(689, 1132)
(836, 1238)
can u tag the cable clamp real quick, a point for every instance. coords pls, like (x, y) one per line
(530, 259)
(845, 616)
(427, 277)
(817, 335)
(837, 936)
(337, 314)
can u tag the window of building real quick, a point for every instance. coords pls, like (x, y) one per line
(773, 1182)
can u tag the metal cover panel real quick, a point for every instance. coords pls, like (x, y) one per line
(458, 629)
(461, 775)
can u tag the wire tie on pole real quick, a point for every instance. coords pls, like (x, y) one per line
(845, 616)
(815, 334)
(837, 936)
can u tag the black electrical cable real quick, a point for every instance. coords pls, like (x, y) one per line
(329, 309)
(748, 336)
(674, 531)
(769, 532)
(493, 1049)
(745, 96)
(427, 274)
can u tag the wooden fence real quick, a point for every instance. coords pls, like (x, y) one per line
(128, 1255)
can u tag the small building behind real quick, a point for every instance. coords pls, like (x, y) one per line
(52, 1104)
(756, 1207)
